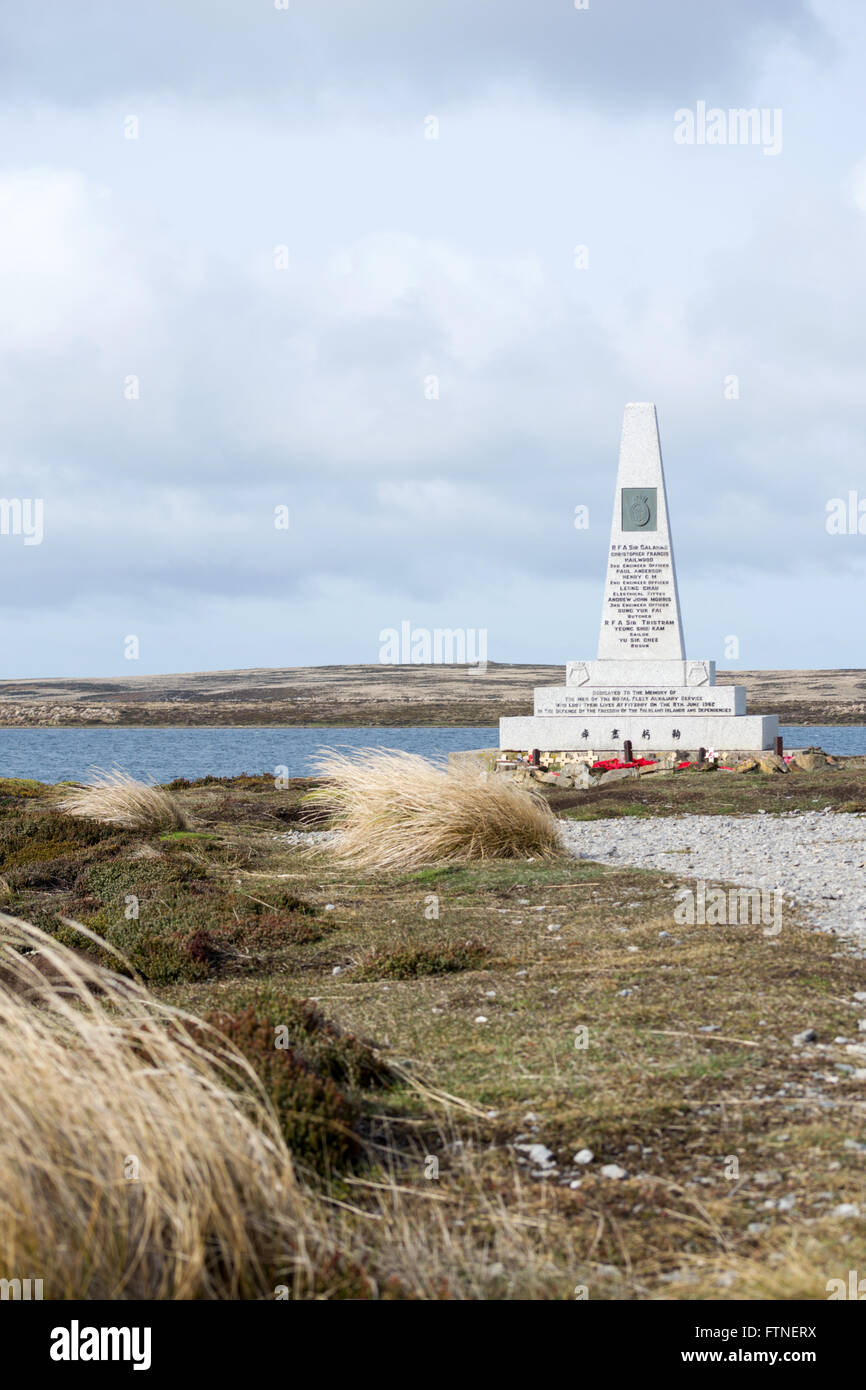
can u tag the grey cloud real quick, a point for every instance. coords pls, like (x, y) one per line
(392, 51)
(307, 388)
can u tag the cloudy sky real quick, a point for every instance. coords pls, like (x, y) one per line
(237, 274)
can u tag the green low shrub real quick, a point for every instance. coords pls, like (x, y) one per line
(445, 959)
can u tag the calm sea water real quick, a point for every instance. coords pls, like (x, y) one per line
(56, 755)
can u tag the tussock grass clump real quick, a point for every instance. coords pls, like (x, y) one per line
(396, 810)
(137, 1161)
(118, 799)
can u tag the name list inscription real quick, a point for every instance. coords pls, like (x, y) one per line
(639, 603)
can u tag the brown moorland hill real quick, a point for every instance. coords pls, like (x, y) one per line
(376, 695)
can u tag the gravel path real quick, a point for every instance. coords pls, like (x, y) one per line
(817, 858)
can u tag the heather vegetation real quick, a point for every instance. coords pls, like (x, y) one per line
(347, 1080)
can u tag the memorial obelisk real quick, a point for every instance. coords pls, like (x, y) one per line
(641, 614)
(641, 688)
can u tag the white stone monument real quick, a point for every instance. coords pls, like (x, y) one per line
(641, 688)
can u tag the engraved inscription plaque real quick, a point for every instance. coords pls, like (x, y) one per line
(634, 700)
(640, 602)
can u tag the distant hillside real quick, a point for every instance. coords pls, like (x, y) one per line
(384, 695)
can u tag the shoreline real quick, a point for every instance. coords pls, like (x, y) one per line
(66, 725)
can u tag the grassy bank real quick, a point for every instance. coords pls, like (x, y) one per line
(439, 1023)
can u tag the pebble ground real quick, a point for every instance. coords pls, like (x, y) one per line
(817, 858)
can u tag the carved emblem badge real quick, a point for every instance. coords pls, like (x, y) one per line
(639, 508)
(577, 673)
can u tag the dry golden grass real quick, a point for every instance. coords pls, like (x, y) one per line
(652, 1092)
(118, 799)
(138, 1163)
(134, 1163)
(396, 810)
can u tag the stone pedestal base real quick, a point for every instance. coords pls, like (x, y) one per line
(665, 733)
